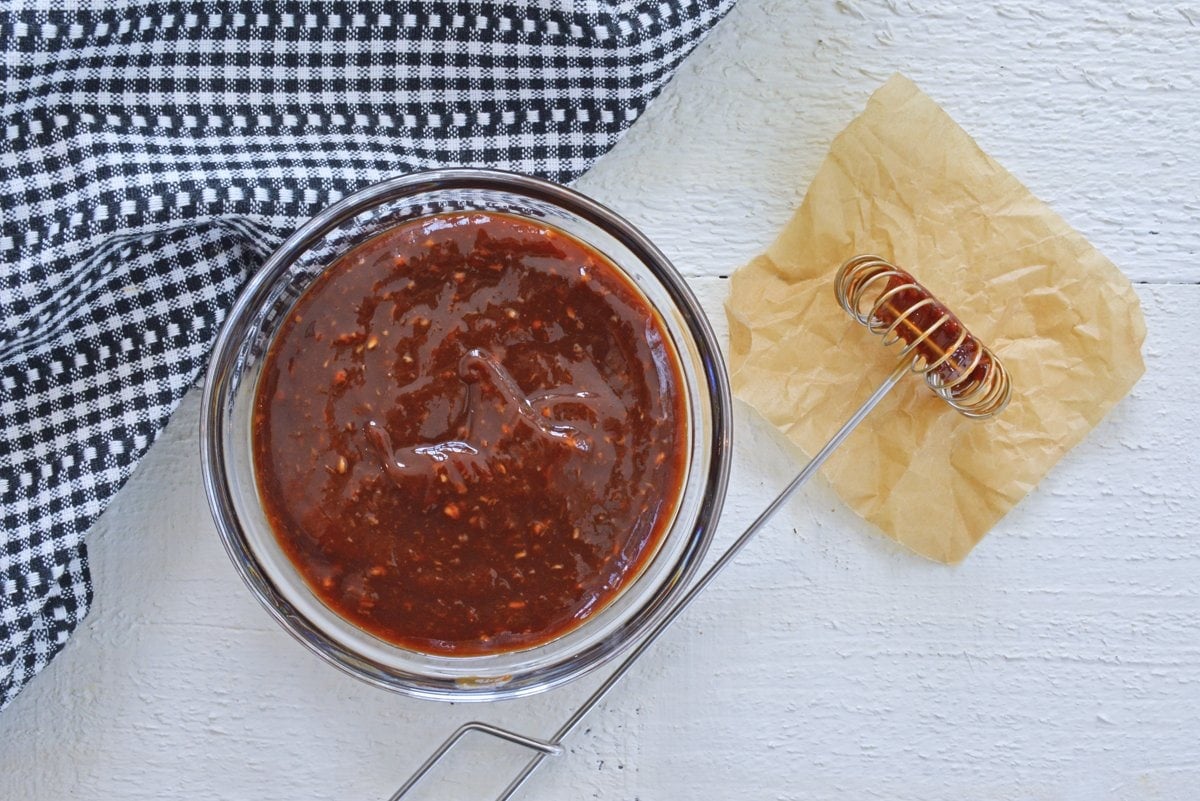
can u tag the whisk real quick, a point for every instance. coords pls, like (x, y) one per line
(956, 366)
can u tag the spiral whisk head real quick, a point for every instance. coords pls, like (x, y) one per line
(955, 365)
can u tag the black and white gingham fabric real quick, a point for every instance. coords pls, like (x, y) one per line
(151, 155)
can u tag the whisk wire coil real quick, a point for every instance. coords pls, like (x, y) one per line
(959, 368)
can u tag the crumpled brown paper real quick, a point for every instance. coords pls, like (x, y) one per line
(903, 181)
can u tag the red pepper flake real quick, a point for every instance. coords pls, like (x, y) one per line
(451, 510)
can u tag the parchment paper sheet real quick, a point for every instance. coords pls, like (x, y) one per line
(903, 181)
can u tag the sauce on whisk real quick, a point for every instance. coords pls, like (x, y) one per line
(469, 434)
(963, 363)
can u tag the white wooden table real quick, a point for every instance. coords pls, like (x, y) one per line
(1061, 661)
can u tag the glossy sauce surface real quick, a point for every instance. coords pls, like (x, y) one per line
(470, 434)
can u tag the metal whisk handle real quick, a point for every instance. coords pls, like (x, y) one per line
(552, 745)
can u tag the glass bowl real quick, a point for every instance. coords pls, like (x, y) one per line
(228, 465)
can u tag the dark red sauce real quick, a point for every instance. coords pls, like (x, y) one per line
(469, 434)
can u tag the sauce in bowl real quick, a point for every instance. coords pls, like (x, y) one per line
(469, 434)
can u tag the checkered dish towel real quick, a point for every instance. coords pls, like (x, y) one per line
(152, 156)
